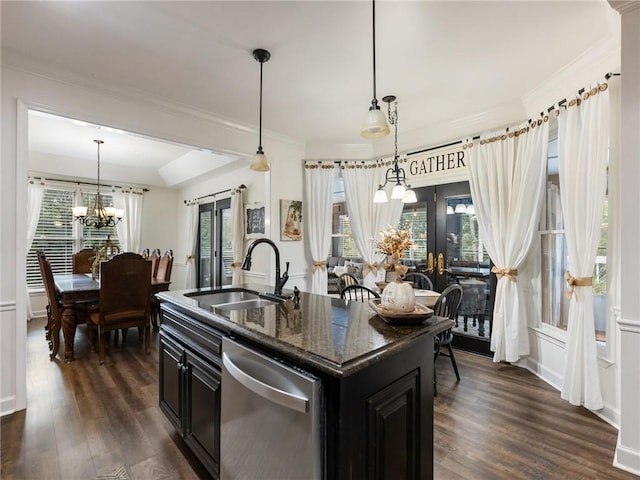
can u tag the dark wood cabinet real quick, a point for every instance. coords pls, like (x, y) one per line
(190, 383)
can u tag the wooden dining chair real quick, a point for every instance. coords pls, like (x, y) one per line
(81, 262)
(154, 256)
(345, 280)
(163, 274)
(447, 305)
(419, 280)
(54, 308)
(125, 298)
(358, 293)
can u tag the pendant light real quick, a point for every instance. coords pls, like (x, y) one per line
(260, 163)
(375, 123)
(395, 174)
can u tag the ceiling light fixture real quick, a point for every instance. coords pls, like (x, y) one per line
(260, 163)
(101, 216)
(375, 125)
(395, 174)
(461, 208)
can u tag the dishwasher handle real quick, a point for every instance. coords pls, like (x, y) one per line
(286, 399)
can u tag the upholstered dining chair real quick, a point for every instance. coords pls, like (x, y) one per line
(447, 305)
(358, 293)
(82, 261)
(125, 298)
(163, 274)
(165, 263)
(54, 308)
(154, 256)
(345, 280)
(419, 280)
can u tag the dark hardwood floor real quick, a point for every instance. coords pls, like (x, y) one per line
(84, 420)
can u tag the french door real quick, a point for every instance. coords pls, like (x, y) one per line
(449, 249)
(214, 252)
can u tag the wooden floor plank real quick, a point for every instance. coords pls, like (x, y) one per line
(84, 419)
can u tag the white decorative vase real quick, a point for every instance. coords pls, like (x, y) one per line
(398, 297)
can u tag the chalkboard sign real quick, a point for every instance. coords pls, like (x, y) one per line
(254, 221)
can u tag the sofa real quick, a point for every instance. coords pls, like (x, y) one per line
(336, 266)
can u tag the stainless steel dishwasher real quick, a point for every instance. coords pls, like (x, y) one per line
(271, 418)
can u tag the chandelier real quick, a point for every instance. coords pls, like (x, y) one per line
(395, 174)
(100, 216)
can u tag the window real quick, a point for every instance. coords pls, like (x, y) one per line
(59, 236)
(555, 257)
(342, 241)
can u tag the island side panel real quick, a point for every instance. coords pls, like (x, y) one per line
(380, 419)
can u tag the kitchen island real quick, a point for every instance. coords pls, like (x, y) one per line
(377, 379)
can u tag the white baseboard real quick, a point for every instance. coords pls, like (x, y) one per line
(7, 406)
(627, 459)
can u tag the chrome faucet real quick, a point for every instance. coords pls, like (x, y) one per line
(280, 281)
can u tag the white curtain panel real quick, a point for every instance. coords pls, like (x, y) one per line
(614, 257)
(193, 211)
(237, 240)
(368, 219)
(35, 194)
(130, 227)
(583, 140)
(507, 178)
(318, 177)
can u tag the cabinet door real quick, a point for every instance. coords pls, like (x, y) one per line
(394, 431)
(203, 401)
(171, 381)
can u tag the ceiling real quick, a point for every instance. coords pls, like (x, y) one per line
(444, 60)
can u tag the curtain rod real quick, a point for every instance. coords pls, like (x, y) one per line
(580, 92)
(241, 187)
(84, 183)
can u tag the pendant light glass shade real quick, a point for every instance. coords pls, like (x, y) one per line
(398, 192)
(410, 197)
(260, 163)
(375, 124)
(380, 196)
(461, 208)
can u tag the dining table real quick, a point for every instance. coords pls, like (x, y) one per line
(74, 289)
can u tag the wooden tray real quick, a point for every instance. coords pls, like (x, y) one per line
(417, 317)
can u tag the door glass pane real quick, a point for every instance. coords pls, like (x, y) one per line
(414, 219)
(226, 235)
(205, 249)
(464, 245)
(468, 265)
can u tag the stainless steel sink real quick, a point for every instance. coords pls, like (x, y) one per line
(255, 303)
(232, 299)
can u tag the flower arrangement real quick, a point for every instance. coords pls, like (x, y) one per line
(394, 242)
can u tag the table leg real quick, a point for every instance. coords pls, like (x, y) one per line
(68, 330)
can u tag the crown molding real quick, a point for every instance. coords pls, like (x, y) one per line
(52, 74)
(624, 6)
(591, 65)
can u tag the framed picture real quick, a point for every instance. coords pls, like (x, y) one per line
(291, 220)
(254, 220)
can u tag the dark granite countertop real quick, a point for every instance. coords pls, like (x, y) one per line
(332, 335)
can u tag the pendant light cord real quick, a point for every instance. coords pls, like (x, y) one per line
(374, 101)
(260, 134)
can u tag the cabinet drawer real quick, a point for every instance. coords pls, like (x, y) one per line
(201, 338)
